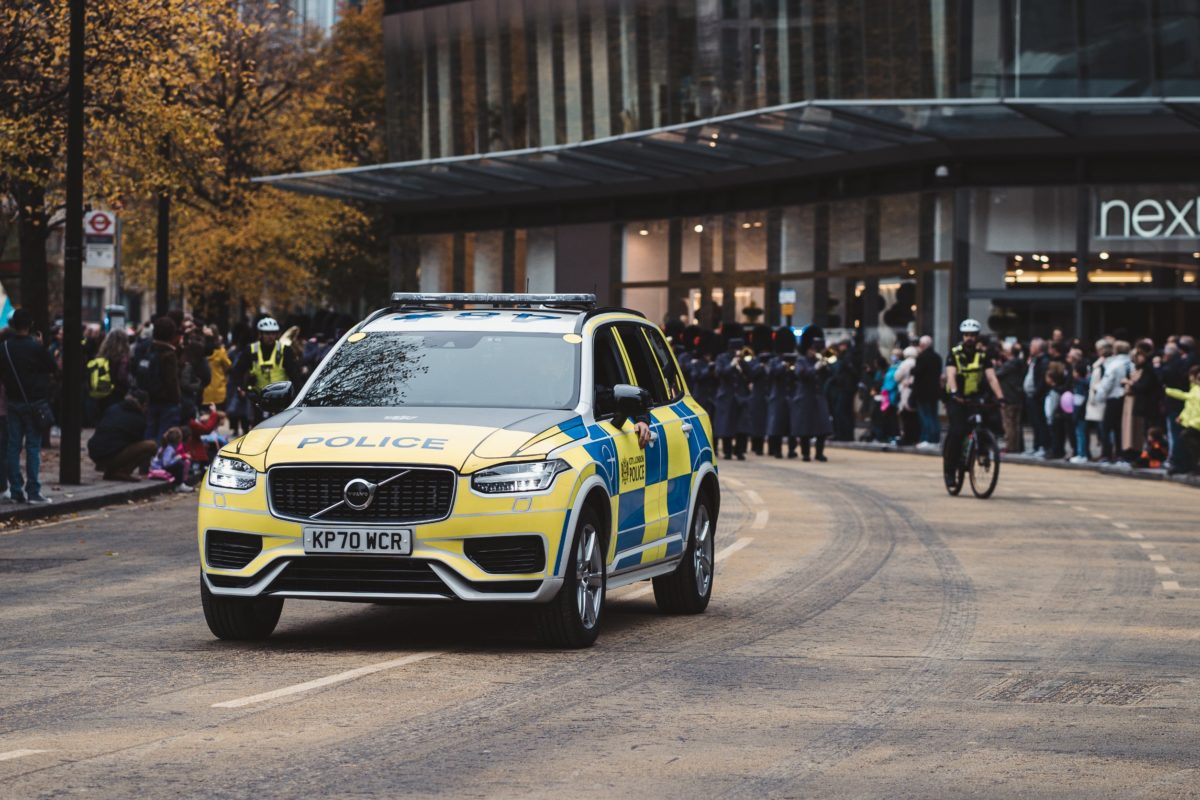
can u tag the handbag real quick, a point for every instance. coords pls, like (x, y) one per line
(43, 415)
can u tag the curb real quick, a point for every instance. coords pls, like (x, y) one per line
(1103, 469)
(26, 513)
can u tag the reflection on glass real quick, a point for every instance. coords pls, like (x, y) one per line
(444, 368)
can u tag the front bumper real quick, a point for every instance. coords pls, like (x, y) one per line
(438, 569)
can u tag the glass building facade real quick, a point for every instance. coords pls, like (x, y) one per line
(1019, 238)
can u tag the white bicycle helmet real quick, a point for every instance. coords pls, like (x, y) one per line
(967, 326)
(269, 325)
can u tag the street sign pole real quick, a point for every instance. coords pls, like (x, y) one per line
(72, 396)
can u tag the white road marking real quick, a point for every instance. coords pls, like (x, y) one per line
(49, 524)
(1101, 516)
(1135, 536)
(1156, 557)
(1163, 570)
(760, 519)
(721, 555)
(1037, 496)
(754, 497)
(1171, 586)
(1146, 546)
(1059, 502)
(1079, 508)
(11, 754)
(340, 677)
(1121, 525)
(734, 482)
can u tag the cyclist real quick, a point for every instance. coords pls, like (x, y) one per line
(265, 362)
(967, 367)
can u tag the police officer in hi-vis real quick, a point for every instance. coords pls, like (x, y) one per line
(265, 362)
(967, 370)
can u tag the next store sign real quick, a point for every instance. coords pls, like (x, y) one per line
(1149, 219)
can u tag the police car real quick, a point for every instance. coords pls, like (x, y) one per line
(472, 448)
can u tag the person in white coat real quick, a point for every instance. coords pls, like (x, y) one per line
(1117, 368)
(1093, 413)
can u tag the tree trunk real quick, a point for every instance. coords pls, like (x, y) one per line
(33, 231)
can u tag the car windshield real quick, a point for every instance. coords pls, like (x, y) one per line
(440, 368)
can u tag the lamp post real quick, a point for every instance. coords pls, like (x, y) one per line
(72, 396)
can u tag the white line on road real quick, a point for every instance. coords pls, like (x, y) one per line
(1037, 496)
(350, 675)
(1171, 586)
(48, 525)
(1121, 525)
(1146, 546)
(1101, 516)
(11, 754)
(1135, 536)
(1163, 570)
(1157, 557)
(721, 555)
(1079, 508)
(1059, 502)
(754, 497)
(734, 482)
(760, 519)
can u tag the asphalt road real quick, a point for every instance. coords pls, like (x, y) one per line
(869, 637)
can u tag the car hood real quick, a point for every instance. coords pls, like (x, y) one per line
(463, 438)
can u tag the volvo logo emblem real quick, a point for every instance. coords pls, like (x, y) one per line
(359, 493)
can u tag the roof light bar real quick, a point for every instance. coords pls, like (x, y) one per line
(457, 299)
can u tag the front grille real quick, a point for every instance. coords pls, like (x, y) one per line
(421, 495)
(507, 554)
(230, 550)
(359, 575)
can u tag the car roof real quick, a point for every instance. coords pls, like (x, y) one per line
(517, 320)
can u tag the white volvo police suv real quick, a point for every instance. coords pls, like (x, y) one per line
(473, 448)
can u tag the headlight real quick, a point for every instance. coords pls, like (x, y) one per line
(530, 477)
(229, 473)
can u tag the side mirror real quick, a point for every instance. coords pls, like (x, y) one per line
(631, 401)
(277, 396)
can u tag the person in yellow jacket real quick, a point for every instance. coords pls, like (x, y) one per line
(1189, 456)
(218, 364)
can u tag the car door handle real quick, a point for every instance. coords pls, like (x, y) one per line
(687, 427)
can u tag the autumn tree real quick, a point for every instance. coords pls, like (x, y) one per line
(135, 54)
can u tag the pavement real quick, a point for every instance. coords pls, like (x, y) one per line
(869, 636)
(93, 492)
(1118, 470)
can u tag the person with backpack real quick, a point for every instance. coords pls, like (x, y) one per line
(108, 372)
(26, 367)
(157, 374)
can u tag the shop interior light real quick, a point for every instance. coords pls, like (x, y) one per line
(1195, 255)
(1045, 259)
(758, 223)
(1036, 257)
(1018, 272)
(712, 144)
(1018, 259)
(698, 228)
(643, 232)
(1189, 277)
(745, 224)
(1104, 256)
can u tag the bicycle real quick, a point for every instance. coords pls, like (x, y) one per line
(980, 459)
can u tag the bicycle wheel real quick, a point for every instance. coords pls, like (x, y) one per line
(983, 465)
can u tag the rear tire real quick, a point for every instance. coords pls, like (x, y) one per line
(572, 619)
(688, 589)
(240, 619)
(983, 466)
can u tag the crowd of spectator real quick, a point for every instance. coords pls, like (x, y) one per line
(162, 397)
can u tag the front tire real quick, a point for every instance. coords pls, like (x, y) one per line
(572, 619)
(984, 467)
(688, 589)
(240, 619)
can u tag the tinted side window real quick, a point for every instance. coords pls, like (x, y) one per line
(666, 362)
(645, 369)
(607, 370)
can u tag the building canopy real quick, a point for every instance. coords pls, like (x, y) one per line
(751, 141)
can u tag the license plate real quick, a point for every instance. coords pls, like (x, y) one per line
(391, 542)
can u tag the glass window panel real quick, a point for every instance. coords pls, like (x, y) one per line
(846, 235)
(650, 301)
(797, 234)
(572, 74)
(1177, 28)
(489, 262)
(1145, 234)
(899, 227)
(646, 252)
(751, 233)
(1022, 237)
(987, 43)
(1117, 48)
(1048, 58)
